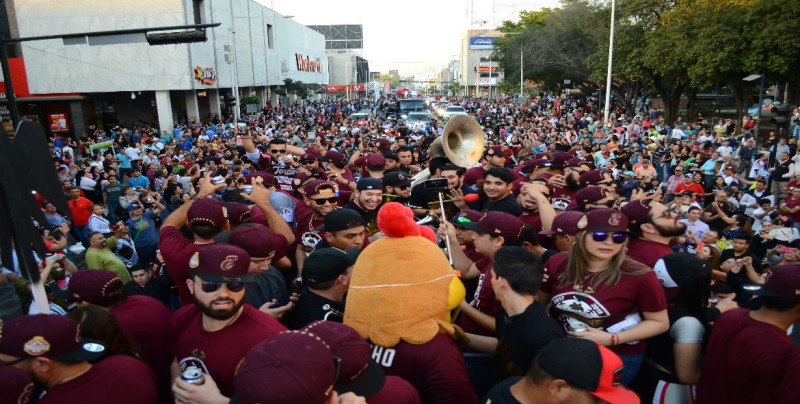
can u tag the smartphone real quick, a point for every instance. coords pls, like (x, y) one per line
(241, 125)
(312, 135)
(435, 183)
(785, 249)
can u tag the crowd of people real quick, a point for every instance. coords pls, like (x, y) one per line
(237, 261)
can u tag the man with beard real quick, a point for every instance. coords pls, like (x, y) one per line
(652, 226)
(219, 328)
(276, 161)
(397, 185)
(369, 195)
(497, 188)
(717, 213)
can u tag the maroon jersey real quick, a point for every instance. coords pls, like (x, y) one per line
(436, 369)
(482, 299)
(117, 379)
(610, 308)
(473, 175)
(176, 250)
(744, 360)
(283, 173)
(789, 391)
(146, 322)
(306, 233)
(647, 252)
(221, 350)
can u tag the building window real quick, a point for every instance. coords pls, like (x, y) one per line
(199, 12)
(270, 39)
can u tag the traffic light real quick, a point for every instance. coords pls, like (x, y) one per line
(230, 100)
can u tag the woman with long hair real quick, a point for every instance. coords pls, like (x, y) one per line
(740, 224)
(597, 293)
(674, 357)
(99, 324)
(718, 184)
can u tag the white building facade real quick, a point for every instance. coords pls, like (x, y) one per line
(254, 49)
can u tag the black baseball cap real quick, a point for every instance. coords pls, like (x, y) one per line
(341, 219)
(366, 184)
(396, 179)
(588, 366)
(325, 264)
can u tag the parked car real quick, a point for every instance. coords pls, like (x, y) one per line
(453, 110)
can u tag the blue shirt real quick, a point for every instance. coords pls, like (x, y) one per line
(143, 230)
(124, 160)
(142, 181)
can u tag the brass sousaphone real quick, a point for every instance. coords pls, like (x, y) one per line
(462, 142)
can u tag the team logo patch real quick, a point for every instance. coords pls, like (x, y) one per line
(194, 262)
(583, 222)
(614, 220)
(228, 263)
(92, 347)
(297, 181)
(224, 212)
(259, 180)
(36, 346)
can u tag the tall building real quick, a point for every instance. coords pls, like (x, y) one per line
(479, 73)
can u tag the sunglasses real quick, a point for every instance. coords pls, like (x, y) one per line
(278, 151)
(601, 236)
(321, 201)
(211, 287)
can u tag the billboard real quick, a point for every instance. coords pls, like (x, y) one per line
(482, 42)
(341, 36)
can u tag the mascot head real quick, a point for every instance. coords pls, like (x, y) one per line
(401, 284)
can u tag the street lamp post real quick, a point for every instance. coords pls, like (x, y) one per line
(607, 111)
(751, 78)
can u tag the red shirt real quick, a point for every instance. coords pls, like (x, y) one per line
(694, 187)
(792, 202)
(81, 209)
(221, 350)
(744, 360)
(118, 379)
(436, 369)
(605, 307)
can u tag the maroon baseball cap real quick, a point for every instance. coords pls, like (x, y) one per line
(358, 372)
(590, 177)
(496, 151)
(317, 187)
(291, 367)
(335, 158)
(17, 386)
(97, 286)
(497, 223)
(239, 213)
(784, 282)
(262, 177)
(221, 263)
(587, 365)
(590, 194)
(300, 178)
(310, 155)
(207, 212)
(531, 165)
(637, 211)
(565, 223)
(560, 158)
(376, 161)
(47, 335)
(258, 241)
(384, 144)
(576, 162)
(603, 220)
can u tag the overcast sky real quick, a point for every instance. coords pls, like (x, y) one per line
(412, 36)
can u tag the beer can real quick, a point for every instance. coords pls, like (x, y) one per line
(247, 189)
(193, 375)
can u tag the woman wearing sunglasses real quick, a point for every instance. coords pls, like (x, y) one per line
(597, 293)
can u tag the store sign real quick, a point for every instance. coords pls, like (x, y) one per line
(486, 69)
(479, 42)
(486, 81)
(308, 65)
(205, 75)
(58, 123)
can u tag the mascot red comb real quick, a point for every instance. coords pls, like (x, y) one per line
(401, 293)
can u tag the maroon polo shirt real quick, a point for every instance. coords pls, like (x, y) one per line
(118, 379)
(222, 350)
(482, 299)
(647, 252)
(436, 369)
(603, 306)
(744, 361)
